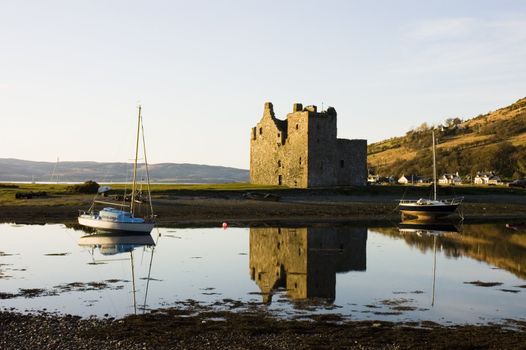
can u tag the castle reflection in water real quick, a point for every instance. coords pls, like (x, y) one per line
(304, 261)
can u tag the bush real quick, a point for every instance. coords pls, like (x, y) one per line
(86, 187)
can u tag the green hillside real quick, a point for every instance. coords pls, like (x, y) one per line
(495, 141)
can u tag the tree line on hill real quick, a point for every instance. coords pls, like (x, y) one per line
(495, 153)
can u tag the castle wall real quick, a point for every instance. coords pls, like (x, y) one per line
(304, 151)
(295, 155)
(352, 162)
(322, 150)
(266, 143)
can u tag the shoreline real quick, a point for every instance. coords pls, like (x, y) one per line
(249, 325)
(199, 327)
(211, 210)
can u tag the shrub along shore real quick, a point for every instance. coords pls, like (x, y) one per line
(245, 204)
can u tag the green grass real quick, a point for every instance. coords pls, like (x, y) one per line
(59, 194)
(157, 187)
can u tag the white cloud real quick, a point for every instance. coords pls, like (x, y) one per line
(440, 29)
(463, 46)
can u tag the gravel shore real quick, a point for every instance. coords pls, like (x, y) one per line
(202, 329)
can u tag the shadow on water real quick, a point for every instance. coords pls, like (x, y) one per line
(304, 261)
(498, 245)
(376, 272)
(112, 244)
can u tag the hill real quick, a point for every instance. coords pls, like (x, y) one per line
(24, 170)
(495, 141)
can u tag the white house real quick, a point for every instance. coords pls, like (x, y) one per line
(487, 179)
(450, 179)
(410, 179)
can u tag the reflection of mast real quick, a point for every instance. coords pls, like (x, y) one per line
(112, 244)
(133, 283)
(149, 271)
(421, 228)
(434, 267)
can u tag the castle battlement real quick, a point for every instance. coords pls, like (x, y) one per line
(303, 150)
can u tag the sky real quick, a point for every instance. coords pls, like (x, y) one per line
(72, 72)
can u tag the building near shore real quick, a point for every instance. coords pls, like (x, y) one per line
(303, 151)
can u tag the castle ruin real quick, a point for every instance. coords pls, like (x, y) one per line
(303, 151)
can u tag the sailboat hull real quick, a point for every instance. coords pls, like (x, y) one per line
(112, 226)
(428, 212)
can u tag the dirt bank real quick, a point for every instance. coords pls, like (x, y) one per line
(211, 209)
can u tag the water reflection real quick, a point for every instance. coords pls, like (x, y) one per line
(366, 273)
(435, 230)
(110, 244)
(304, 261)
(499, 245)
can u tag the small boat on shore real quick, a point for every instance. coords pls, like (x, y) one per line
(430, 209)
(125, 219)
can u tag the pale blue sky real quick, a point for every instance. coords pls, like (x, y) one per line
(72, 72)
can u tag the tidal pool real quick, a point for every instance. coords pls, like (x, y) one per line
(468, 274)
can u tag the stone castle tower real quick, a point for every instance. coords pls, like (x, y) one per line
(304, 151)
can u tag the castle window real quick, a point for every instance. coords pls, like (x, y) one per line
(261, 131)
(297, 127)
(279, 135)
(279, 163)
(342, 163)
(300, 160)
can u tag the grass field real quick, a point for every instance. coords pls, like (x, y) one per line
(60, 194)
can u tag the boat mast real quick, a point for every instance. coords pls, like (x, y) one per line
(434, 169)
(135, 163)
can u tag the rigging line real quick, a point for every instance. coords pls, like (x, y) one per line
(135, 162)
(147, 171)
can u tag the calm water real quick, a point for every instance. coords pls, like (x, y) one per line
(362, 273)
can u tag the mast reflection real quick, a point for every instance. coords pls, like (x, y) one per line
(110, 244)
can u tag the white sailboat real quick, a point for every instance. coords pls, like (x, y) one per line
(430, 209)
(124, 219)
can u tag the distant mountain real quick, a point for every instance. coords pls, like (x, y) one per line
(495, 141)
(24, 170)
